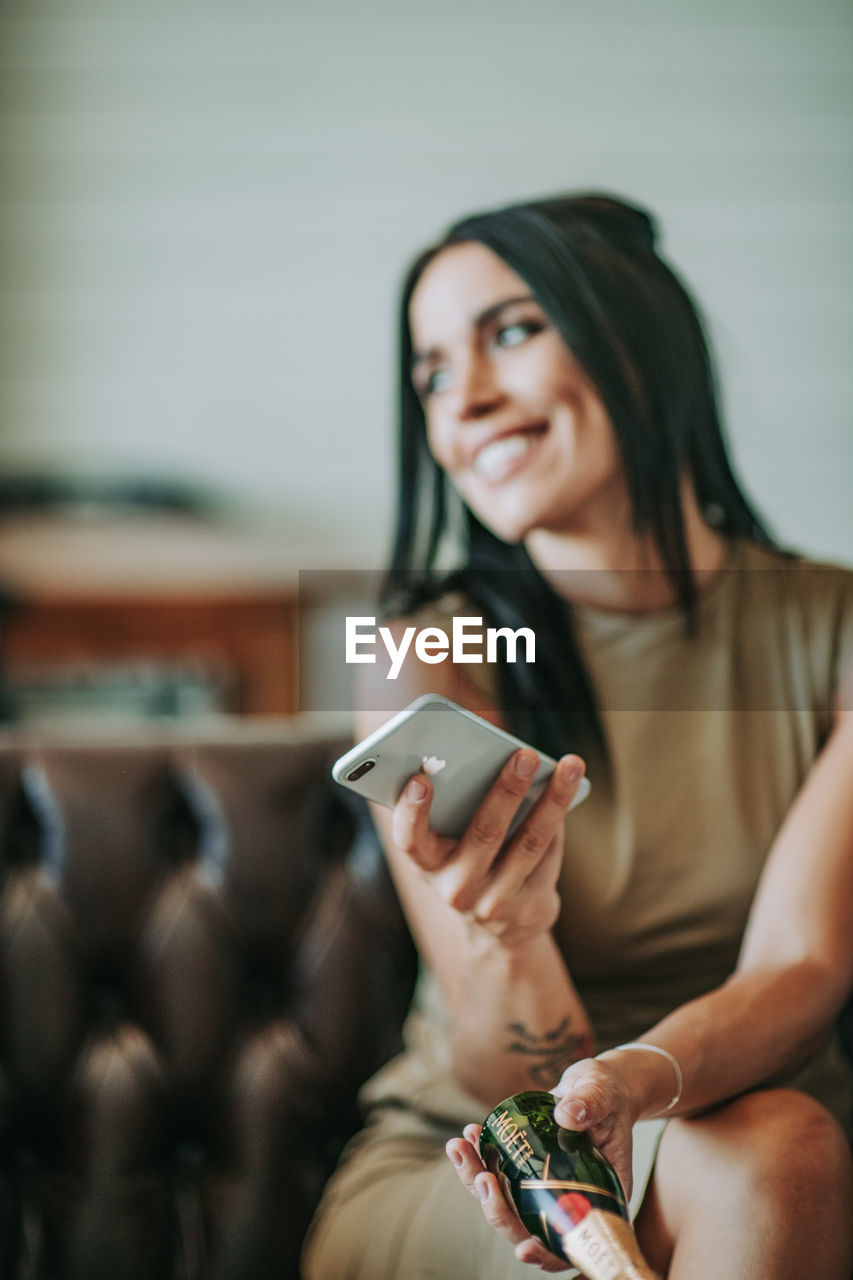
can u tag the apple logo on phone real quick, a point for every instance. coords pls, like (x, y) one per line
(432, 764)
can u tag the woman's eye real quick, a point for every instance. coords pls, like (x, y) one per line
(438, 379)
(511, 335)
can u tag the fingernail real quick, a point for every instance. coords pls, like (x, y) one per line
(526, 764)
(416, 790)
(482, 1189)
(456, 1157)
(572, 769)
(577, 1113)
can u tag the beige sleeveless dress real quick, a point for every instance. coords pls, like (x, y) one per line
(709, 740)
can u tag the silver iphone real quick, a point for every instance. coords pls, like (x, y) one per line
(462, 753)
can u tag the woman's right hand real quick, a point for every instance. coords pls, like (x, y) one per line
(507, 890)
(497, 1210)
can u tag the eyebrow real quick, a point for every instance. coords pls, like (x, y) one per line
(478, 322)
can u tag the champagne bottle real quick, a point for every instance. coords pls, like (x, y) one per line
(566, 1192)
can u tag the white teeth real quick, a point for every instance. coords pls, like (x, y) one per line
(492, 459)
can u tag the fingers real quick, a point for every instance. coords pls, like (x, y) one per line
(479, 875)
(586, 1096)
(410, 829)
(533, 1251)
(544, 820)
(531, 863)
(497, 1212)
(464, 875)
(464, 1154)
(487, 829)
(515, 913)
(472, 1132)
(484, 1186)
(557, 796)
(504, 1219)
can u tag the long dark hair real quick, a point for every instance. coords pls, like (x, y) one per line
(591, 262)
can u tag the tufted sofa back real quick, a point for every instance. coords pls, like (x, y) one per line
(201, 959)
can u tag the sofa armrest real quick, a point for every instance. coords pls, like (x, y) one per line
(201, 960)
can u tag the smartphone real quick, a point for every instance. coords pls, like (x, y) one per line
(462, 753)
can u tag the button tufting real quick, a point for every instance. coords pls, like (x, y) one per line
(107, 1004)
(189, 942)
(190, 1156)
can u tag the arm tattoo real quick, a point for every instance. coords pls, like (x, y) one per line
(550, 1052)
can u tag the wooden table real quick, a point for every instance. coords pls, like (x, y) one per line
(88, 589)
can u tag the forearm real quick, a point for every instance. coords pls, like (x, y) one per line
(517, 1020)
(795, 967)
(481, 910)
(758, 1026)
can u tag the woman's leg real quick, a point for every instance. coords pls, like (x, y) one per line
(760, 1188)
(395, 1210)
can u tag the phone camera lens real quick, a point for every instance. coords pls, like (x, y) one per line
(360, 770)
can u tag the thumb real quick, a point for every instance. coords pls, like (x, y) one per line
(584, 1111)
(572, 1112)
(582, 1097)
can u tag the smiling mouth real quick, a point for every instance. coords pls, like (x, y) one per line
(500, 457)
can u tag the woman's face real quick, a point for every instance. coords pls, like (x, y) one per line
(511, 417)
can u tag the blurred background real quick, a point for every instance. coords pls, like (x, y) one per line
(206, 209)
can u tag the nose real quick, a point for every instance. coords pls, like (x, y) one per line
(478, 389)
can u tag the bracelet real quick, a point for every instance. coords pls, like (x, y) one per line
(664, 1053)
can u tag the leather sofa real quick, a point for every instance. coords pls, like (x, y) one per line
(201, 959)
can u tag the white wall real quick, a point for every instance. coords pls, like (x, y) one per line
(206, 207)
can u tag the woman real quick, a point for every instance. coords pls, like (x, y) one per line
(679, 947)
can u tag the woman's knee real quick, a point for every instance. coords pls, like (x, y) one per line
(784, 1134)
(774, 1147)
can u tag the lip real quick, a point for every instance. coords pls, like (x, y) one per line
(537, 427)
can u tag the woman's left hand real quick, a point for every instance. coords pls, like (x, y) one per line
(591, 1096)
